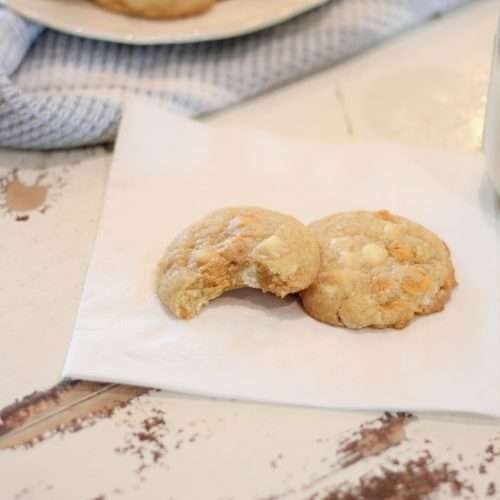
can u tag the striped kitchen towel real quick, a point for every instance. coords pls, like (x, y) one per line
(59, 91)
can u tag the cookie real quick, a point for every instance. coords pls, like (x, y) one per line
(377, 269)
(235, 248)
(157, 9)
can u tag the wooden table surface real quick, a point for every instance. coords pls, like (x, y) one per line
(84, 440)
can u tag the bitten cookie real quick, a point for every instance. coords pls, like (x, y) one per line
(377, 269)
(235, 248)
(157, 9)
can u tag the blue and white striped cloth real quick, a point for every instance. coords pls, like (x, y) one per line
(59, 91)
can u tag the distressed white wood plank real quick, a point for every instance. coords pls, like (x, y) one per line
(43, 259)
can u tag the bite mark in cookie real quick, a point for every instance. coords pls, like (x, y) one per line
(234, 248)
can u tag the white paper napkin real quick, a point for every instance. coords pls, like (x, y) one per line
(168, 172)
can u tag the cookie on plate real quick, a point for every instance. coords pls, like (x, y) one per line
(235, 248)
(377, 269)
(157, 9)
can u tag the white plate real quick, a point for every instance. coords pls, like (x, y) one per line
(226, 19)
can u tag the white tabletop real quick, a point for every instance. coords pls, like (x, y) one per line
(426, 87)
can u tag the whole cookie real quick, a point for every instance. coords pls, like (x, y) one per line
(377, 269)
(157, 9)
(235, 248)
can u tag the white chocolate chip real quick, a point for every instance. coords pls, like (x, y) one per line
(392, 230)
(249, 276)
(373, 254)
(272, 247)
(426, 300)
(203, 256)
(275, 255)
(282, 267)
